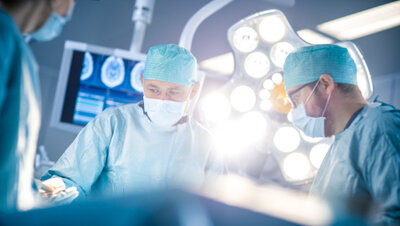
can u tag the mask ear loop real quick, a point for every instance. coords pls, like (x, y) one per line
(326, 105)
(312, 91)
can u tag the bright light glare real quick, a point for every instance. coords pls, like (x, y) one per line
(243, 98)
(232, 137)
(256, 65)
(272, 29)
(279, 52)
(216, 107)
(268, 84)
(245, 39)
(317, 154)
(227, 138)
(310, 139)
(296, 166)
(286, 139)
(253, 127)
(265, 105)
(277, 78)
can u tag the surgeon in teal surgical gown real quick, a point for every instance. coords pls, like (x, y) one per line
(363, 163)
(153, 144)
(20, 112)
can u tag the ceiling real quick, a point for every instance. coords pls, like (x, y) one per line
(108, 23)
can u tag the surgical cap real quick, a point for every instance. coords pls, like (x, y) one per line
(170, 63)
(307, 64)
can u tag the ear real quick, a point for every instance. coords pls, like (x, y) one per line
(141, 78)
(327, 84)
(195, 90)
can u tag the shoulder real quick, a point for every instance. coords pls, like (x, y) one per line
(384, 118)
(379, 130)
(9, 33)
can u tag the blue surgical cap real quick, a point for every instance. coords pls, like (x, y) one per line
(307, 64)
(170, 63)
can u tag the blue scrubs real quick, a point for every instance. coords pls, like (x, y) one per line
(122, 151)
(364, 162)
(19, 117)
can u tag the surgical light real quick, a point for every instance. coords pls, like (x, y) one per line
(279, 52)
(317, 154)
(272, 29)
(256, 64)
(264, 94)
(216, 107)
(268, 84)
(245, 39)
(287, 139)
(243, 98)
(296, 166)
(277, 78)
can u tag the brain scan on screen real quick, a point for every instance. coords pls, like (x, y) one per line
(113, 71)
(87, 67)
(136, 81)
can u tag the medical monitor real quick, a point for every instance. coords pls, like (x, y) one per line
(91, 79)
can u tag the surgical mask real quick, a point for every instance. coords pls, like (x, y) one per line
(52, 27)
(164, 113)
(311, 126)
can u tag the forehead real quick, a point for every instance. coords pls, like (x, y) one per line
(163, 84)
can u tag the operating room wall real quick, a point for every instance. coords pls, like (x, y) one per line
(108, 23)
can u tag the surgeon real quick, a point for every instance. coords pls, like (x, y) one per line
(364, 160)
(153, 144)
(20, 112)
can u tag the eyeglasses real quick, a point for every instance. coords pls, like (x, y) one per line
(290, 95)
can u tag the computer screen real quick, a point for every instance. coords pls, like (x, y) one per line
(93, 78)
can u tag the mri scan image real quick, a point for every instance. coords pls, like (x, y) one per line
(87, 67)
(113, 71)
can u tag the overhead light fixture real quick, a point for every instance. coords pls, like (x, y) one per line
(221, 64)
(313, 37)
(363, 23)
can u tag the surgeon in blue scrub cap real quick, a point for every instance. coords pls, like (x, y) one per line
(153, 144)
(364, 160)
(20, 112)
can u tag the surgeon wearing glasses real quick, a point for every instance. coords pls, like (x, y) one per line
(364, 160)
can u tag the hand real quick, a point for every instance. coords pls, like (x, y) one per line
(54, 189)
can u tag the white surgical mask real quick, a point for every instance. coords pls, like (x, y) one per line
(311, 126)
(52, 27)
(164, 113)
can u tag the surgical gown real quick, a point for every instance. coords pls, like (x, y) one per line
(19, 117)
(364, 162)
(121, 151)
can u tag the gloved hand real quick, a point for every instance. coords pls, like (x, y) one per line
(53, 190)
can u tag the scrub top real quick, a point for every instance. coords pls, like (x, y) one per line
(20, 117)
(122, 151)
(364, 162)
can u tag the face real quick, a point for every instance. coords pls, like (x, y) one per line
(45, 8)
(314, 102)
(62, 7)
(166, 91)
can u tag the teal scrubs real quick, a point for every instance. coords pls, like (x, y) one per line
(122, 151)
(19, 117)
(364, 162)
